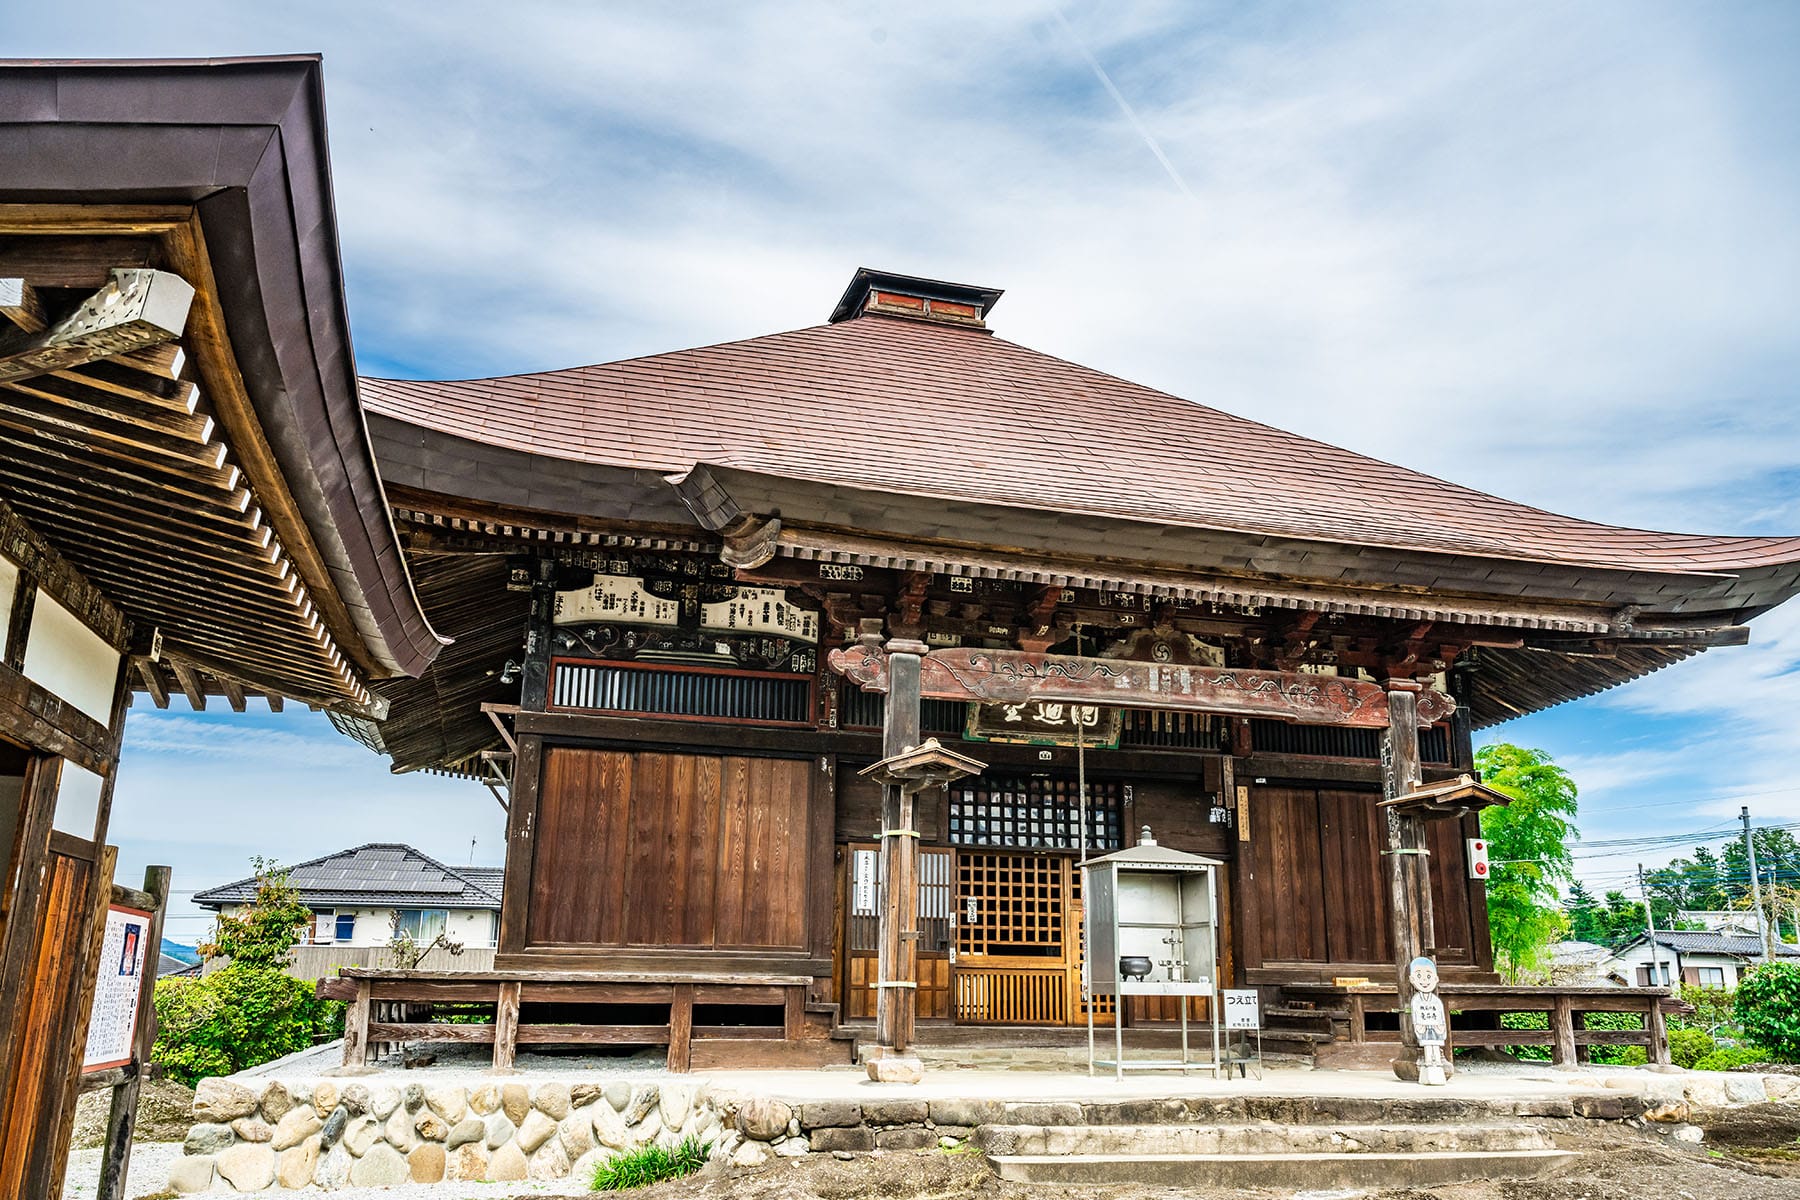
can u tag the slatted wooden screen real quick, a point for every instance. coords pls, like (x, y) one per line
(862, 933)
(679, 850)
(1319, 887)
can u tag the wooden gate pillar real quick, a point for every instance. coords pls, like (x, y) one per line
(897, 962)
(1409, 861)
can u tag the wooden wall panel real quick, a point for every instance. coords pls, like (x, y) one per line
(1451, 913)
(1352, 835)
(1178, 812)
(1288, 905)
(686, 851)
(36, 1078)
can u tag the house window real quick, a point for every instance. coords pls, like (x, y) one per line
(1711, 977)
(1653, 975)
(346, 927)
(493, 929)
(422, 924)
(328, 927)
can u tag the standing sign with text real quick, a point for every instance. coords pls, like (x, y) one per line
(113, 1027)
(1431, 1024)
(1241, 1009)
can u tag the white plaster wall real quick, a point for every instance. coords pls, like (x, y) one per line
(69, 660)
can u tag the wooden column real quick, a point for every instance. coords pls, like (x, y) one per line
(356, 1027)
(896, 999)
(506, 1026)
(121, 1118)
(1409, 861)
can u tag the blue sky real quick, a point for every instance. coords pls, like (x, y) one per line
(1548, 250)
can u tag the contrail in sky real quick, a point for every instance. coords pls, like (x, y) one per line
(1124, 106)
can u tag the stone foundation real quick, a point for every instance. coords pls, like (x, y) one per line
(341, 1132)
(348, 1132)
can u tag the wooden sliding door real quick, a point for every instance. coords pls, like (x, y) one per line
(685, 851)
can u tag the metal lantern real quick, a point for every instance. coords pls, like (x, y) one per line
(1151, 921)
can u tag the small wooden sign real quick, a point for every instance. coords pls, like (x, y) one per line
(1045, 723)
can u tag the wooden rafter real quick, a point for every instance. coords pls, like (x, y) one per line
(136, 308)
(153, 681)
(189, 679)
(21, 304)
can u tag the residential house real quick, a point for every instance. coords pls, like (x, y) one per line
(1705, 958)
(356, 894)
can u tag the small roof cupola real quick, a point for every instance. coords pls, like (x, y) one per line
(913, 298)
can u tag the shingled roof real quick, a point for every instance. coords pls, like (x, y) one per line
(376, 875)
(1014, 427)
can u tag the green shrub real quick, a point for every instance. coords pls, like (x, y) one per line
(1527, 1020)
(1727, 1057)
(1689, 1046)
(235, 1018)
(1617, 1056)
(650, 1164)
(1767, 1006)
(1712, 1010)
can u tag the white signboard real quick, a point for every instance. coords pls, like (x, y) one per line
(116, 992)
(1241, 1009)
(862, 882)
(760, 610)
(620, 598)
(1431, 1024)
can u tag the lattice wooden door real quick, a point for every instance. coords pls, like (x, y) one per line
(937, 924)
(1018, 939)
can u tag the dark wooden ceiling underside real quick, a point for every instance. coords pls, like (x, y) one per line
(436, 721)
(123, 461)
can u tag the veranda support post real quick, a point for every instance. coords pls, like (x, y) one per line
(896, 996)
(1409, 861)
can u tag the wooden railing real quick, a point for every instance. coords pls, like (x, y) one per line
(1011, 996)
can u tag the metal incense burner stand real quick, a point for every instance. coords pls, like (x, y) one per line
(1151, 925)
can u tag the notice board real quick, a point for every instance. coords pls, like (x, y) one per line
(123, 957)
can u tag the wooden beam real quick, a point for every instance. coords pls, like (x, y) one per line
(21, 304)
(1018, 676)
(189, 679)
(234, 693)
(274, 699)
(92, 220)
(151, 674)
(72, 262)
(136, 308)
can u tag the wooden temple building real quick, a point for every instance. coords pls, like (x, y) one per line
(189, 507)
(675, 587)
(695, 617)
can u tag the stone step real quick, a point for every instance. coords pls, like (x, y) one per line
(1285, 1171)
(1104, 1141)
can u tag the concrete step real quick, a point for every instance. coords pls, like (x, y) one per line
(1282, 1170)
(1237, 1140)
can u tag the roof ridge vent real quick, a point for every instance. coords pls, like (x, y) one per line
(915, 298)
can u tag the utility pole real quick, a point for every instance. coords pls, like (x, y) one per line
(1650, 927)
(1762, 918)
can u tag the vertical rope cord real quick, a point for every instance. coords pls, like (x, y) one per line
(1080, 771)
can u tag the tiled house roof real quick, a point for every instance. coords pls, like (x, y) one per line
(376, 875)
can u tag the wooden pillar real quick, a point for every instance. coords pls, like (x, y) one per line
(356, 1027)
(506, 1026)
(1409, 861)
(121, 1118)
(896, 999)
(1562, 1031)
(1657, 1023)
(681, 1028)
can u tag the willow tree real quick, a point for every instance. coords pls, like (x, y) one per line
(1528, 845)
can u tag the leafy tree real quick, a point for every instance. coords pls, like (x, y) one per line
(1622, 918)
(1586, 923)
(1528, 844)
(263, 933)
(251, 1010)
(1768, 1007)
(235, 1018)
